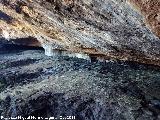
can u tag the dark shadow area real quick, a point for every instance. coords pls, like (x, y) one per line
(18, 45)
(55, 105)
(9, 47)
(12, 48)
(29, 41)
(4, 16)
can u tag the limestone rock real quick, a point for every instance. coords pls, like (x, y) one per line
(116, 29)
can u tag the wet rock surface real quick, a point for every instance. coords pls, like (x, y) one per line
(68, 86)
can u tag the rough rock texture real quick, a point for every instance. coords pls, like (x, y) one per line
(151, 11)
(114, 29)
(32, 84)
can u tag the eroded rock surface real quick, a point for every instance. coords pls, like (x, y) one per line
(151, 11)
(117, 29)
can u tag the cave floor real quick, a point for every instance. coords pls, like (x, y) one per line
(34, 84)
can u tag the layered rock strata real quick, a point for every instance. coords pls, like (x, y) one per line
(108, 29)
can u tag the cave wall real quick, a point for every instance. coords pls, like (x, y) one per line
(117, 29)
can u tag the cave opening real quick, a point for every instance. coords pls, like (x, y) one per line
(21, 44)
(10, 47)
(13, 48)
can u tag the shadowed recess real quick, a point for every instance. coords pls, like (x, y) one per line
(4, 16)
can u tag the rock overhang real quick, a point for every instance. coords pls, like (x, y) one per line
(109, 29)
